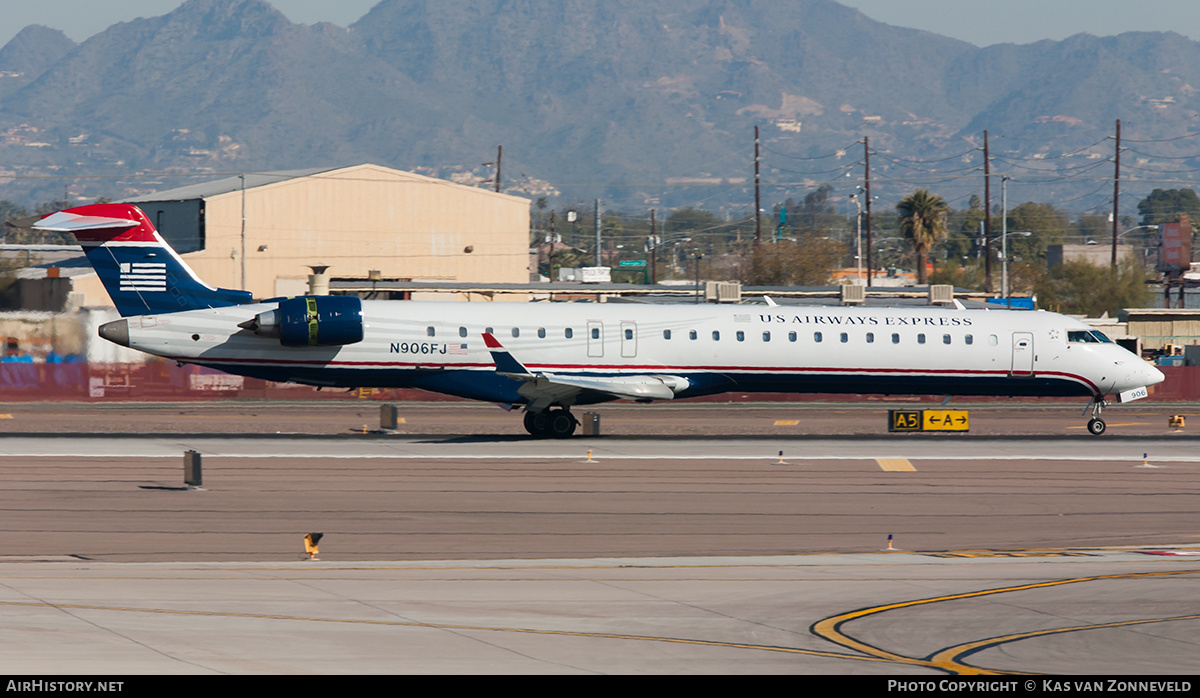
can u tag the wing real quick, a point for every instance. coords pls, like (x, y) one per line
(544, 389)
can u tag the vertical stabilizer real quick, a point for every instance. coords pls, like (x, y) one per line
(141, 273)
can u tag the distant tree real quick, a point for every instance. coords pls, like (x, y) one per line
(52, 206)
(691, 220)
(817, 206)
(808, 261)
(962, 235)
(1166, 205)
(10, 210)
(1094, 227)
(1046, 223)
(970, 276)
(923, 221)
(1082, 288)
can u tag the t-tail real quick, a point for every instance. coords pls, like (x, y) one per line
(140, 271)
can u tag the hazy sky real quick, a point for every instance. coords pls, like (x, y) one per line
(981, 22)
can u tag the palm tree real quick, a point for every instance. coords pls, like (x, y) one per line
(923, 220)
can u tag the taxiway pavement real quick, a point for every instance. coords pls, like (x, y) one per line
(491, 552)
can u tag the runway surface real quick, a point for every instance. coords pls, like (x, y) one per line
(1099, 612)
(865, 418)
(491, 552)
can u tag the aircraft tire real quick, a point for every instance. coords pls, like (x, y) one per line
(1096, 426)
(561, 425)
(537, 424)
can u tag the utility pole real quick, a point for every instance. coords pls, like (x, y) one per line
(1116, 193)
(987, 214)
(653, 251)
(858, 234)
(867, 193)
(243, 178)
(599, 252)
(499, 152)
(1004, 239)
(757, 198)
(550, 254)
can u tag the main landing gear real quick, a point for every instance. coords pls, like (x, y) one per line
(1095, 425)
(553, 424)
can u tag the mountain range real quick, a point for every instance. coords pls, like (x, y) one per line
(640, 104)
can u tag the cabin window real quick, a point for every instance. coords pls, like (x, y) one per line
(568, 333)
(845, 338)
(489, 330)
(541, 333)
(969, 339)
(692, 334)
(993, 339)
(628, 334)
(816, 336)
(945, 339)
(741, 336)
(895, 338)
(595, 333)
(766, 336)
(716, 335)
(430, 332)
(462, 332)
(516, 332)
(870, 338)
(921, 338)
(791, 336)
(666, 334)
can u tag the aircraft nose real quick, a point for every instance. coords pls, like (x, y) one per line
(1153, 375)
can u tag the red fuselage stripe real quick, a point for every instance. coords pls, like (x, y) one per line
(916, 372)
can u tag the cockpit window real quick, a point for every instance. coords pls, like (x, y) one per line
(1087, 337)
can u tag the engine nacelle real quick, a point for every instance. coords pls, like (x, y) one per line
(312, 321)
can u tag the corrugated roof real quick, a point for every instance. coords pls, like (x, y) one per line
(216, 187)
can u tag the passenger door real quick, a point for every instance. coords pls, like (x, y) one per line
(1022, 355)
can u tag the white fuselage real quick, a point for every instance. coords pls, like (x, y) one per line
(438, 346)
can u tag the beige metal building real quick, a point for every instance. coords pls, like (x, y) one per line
(1159, 327)
(353, 219)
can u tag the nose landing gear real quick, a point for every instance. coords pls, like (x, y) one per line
(1096, 425)
(554, 424)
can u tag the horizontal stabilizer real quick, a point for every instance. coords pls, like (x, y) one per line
(63, 222)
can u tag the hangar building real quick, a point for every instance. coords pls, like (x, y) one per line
(356, 220)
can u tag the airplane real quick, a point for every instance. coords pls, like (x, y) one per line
(550, 357)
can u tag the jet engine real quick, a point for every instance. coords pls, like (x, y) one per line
(311, 321)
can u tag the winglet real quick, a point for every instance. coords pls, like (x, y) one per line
(505, 363)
